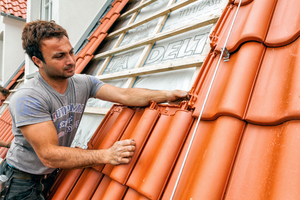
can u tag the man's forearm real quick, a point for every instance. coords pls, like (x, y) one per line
(143, 97)
(138, 96)
(66, 157)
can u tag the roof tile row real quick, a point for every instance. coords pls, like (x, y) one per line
(251, 24)
(234, 78)
(17, 8)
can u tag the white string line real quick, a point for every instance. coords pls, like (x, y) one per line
(204, 103)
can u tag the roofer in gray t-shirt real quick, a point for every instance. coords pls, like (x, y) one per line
(47, 110)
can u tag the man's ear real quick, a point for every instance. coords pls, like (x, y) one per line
(37, 61)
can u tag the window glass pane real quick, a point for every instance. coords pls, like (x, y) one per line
(50, 11)
(123, 61)
(47, 13)
(88, 125)
(180, 46)
(177, 79)
(192, 12)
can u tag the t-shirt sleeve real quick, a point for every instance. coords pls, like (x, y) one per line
(95, 85)
(27, 108)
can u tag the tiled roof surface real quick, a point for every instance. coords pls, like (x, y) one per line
(6, 131)
(5, 119)
(17, 8)
(247, 143)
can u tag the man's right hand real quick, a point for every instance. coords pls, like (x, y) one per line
(121, 152)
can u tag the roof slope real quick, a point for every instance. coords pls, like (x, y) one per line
(17, 8)
(5, 119)
(246, 144)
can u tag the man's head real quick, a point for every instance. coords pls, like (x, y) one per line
(35, 32)
(3, 94)
(49, 48)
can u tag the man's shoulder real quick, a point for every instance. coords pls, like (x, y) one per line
(31, 89)
(85, 78)
(79, 77)
(31, 86)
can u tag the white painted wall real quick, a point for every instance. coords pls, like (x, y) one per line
(76, 15)
(1, 48)
(33, 13)
(12, 54)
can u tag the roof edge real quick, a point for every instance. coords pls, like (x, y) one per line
(92, 25)
(12, 16)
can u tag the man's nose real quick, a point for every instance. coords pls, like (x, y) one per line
(70, 60)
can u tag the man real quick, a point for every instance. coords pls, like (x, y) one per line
(3, 95)
(47, 110)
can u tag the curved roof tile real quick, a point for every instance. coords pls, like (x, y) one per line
(17, 8)
(234, 80)
(285, 24)
(148, 178)
(267, 165)
(275, 97)
(208, 166)
(251, 24)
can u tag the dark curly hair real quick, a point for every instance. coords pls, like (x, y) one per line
(4, 91)
(33, 34)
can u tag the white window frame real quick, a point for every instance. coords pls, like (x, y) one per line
(46, 10)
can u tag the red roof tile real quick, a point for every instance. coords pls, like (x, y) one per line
(275, 97)
(6, 131)
(209, 163)
(235, 79)
(18, 75)
(252, 23)
(149, 178)
(285, 24)
(268, 162)
(64, 184)
(5, 119)
(17, 8)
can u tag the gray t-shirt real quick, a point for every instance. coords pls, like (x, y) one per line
(35, 102)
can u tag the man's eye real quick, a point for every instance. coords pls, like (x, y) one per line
(59, 56)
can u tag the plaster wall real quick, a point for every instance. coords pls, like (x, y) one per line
(76, 16)
(13, 54)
